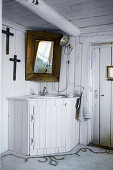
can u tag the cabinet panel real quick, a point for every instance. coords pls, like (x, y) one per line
(32, 142)
(51, 126)
(18, 127)
(42, 129)
(61, 124)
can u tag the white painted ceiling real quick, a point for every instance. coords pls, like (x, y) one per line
(91, 16)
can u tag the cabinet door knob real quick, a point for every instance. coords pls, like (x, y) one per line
(102, 95)
(65, 104)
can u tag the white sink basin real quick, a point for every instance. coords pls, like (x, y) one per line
(50, 96)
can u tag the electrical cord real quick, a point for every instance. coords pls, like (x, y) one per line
(53, 159)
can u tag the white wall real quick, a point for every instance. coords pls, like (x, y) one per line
(82, 78)
(22, 87)
(10, 87)
(0, 69)
(77, 74)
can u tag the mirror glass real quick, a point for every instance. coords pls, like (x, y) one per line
(43, 57)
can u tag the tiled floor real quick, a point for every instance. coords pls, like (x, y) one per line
(86, 161)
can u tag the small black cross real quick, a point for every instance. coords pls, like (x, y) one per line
(15, 60)
(8, 33)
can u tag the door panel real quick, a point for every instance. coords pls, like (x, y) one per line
(95, 60)
(105, 97)
(101, 96)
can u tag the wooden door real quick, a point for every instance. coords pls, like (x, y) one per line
(102, 97)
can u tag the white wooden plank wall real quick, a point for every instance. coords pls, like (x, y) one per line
(105, 102)
(103, 114)
(82, 75)
(73, 73)
(0, 71)
(11, 88)
(84, 82)
(18, 126)
(112, 109)
(112, 118)
(95, 61)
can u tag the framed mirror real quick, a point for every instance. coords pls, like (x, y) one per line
(43, 56)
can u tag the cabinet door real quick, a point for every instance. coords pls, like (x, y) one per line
(37, 127)
(50, 126)
(55, 124)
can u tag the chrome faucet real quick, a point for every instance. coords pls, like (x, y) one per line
(45, 91)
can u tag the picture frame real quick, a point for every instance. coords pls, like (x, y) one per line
(110, 73)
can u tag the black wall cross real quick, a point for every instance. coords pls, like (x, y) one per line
(8, 33)
(15, 60)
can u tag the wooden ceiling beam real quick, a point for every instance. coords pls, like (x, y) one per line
(50, 15)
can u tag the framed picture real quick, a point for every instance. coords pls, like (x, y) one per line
(110, 73)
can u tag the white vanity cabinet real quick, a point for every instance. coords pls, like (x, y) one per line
(42, 126)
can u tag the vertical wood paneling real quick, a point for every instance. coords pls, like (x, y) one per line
(95, 61)
(85, 127)
(33, 135)
(0, 72)
(112, 106)
(59, 125)
(42, 85)
(13, 88)
(11, 128)
(35, 123)
(78, 61)
(18, 126)
(63, 70)
(74, 131)
(84, 133)
(112, 118)
(22, 87)
(8, 86)
(50, 87)
(31, 87)
(105, 89)
(51, 125)
(20, 72)
(25, 130)
(42, 126)
(102, 122)
(70, 71)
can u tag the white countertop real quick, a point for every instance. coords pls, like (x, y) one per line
(35, 97)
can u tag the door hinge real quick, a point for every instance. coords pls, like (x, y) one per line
(32, 141)
(32, 118)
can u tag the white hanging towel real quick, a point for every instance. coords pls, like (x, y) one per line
(84, 114)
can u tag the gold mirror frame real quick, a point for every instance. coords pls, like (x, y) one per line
(32, 36)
